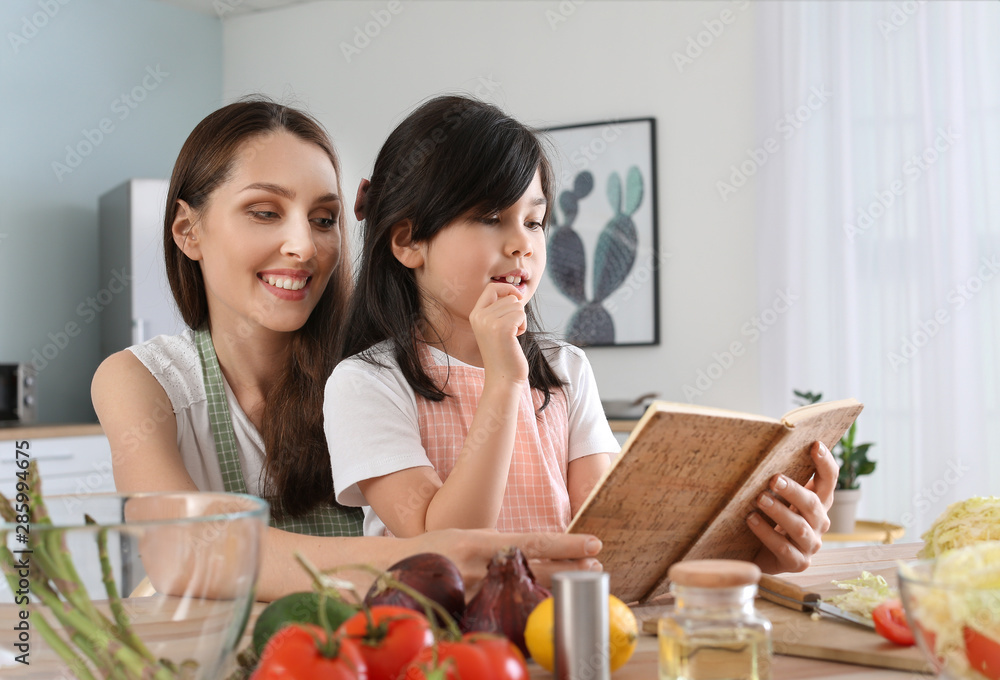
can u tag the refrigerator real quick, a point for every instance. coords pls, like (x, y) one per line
(140, 305)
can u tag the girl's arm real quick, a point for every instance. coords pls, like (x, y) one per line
(582, 476)
(473, 493)
(415, 500)
(138, 420)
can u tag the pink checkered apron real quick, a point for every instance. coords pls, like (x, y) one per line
(536, 498)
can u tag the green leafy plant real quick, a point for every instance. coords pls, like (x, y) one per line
(92, 644)
(853, 458)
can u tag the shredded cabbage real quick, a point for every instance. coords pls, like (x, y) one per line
(864, 594)
(963, 523)
(963, 592)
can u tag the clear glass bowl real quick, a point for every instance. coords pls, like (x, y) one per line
(940, 615)
(200, 552)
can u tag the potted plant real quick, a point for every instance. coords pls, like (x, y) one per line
(854, 463)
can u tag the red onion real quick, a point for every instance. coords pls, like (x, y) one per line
(430, 574)
(508, 595)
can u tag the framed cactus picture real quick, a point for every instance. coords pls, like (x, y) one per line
(601, 282)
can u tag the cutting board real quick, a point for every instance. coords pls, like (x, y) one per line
(796, 633)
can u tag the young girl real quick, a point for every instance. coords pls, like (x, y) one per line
(450, 410)
(254, 237)
(456, 413)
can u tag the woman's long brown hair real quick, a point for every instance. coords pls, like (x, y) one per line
(297, 475)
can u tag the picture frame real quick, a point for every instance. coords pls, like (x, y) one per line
(601, 284)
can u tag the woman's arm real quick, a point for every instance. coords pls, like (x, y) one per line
(141, 427)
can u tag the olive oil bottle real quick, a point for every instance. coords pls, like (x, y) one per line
(713, 631)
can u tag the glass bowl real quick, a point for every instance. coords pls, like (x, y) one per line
(195, 556)
(956, 621)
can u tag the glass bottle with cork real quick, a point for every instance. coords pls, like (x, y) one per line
(712, 632)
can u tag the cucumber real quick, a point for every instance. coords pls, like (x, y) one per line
(297, 608)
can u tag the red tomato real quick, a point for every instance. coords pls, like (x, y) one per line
(390, 641)
(504, 657)
(477, 656)
(890, 623)
(306, 652)
(983, 653)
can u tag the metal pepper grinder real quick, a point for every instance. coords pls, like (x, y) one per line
(581, 625)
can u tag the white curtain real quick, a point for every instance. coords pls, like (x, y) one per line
(879, 208)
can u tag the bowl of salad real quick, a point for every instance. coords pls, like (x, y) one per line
(952, 605)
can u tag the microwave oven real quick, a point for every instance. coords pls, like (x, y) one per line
(18, 397)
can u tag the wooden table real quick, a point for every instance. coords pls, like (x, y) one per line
(828, 564)
(868, 531)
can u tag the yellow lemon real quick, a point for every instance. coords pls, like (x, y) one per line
(539, 633)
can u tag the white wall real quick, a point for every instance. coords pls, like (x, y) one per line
(551, 63)
(107, 79)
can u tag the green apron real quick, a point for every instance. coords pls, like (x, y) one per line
(325, 520)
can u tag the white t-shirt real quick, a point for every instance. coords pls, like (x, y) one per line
(174, 362)
(371, 420)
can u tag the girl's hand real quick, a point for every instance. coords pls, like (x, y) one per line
(497, 319)
(791, 543)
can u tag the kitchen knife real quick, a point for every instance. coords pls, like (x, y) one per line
(792, 596)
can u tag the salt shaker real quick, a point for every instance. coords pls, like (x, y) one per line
(713, 631)
(581, 625)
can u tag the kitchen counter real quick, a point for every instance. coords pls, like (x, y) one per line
(42, 431)
(836, 563)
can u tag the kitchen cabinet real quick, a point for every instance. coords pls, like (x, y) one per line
(73, 461)
(76, 464)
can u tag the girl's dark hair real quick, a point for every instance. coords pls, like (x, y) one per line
(452, 155)
(296, 475)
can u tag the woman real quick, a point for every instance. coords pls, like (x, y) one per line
(253, 234)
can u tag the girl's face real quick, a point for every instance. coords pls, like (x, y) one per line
(268, 239)
(472, 251)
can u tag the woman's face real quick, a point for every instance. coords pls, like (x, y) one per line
(268, 239)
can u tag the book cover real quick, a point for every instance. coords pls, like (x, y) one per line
(687, 478)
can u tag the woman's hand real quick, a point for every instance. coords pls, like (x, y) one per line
(796, 536)
(472, 550)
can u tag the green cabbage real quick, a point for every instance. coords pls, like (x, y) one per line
(963, 592)
(864, 594)
(963, 523)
